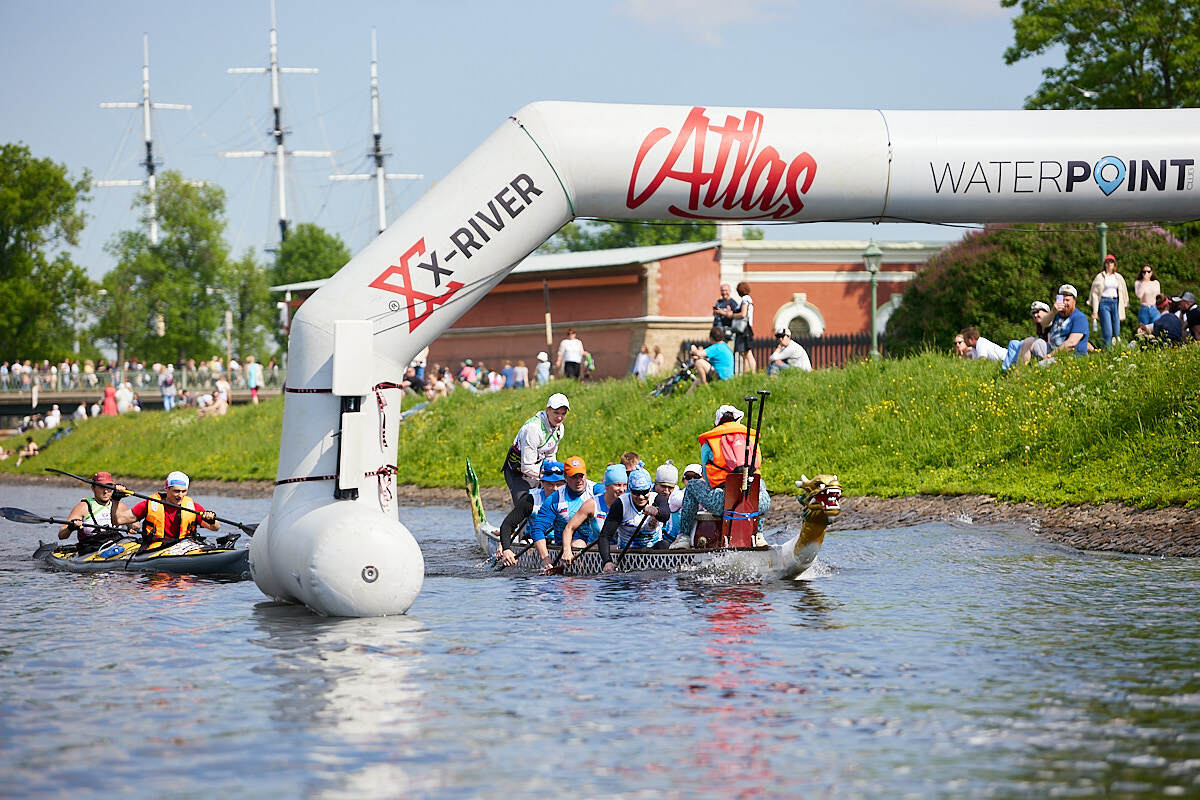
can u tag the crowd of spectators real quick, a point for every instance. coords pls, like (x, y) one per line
(1062, 327)
(75, 374)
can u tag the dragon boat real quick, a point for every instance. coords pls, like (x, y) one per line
(185, 557)
(819, 498)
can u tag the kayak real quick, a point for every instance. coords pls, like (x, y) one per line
(185, 557)
(819, 499)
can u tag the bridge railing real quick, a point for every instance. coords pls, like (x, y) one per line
(141, 379)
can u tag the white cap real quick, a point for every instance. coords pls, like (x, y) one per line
(696, 468)
(667, 474)
(727, 409)
(177, 478)
(1067, 288)
(558, 400)
(542, 356)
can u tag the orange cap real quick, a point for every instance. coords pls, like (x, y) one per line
(574, 466)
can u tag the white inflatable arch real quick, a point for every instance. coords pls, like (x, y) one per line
(332, 540)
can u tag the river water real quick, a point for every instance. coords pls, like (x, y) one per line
(932, 661)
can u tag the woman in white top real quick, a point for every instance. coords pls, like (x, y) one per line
(743, 340)
(1147, 289)
(1109, 299)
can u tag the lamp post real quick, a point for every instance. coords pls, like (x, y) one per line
(1102, 229)
(872, 258)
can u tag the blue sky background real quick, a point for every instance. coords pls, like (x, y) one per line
(450, 72)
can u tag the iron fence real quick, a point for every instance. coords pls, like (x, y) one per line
(823, 351)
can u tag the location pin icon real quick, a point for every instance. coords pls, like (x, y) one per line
(1106, 184)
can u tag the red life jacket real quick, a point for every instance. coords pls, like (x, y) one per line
(728, 442)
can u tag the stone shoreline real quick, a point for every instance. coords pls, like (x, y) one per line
(1113, 527)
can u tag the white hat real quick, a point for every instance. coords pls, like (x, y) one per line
(696, 468)
(667, 474)
(542, 356)
(177, 478)
(558, 400)
(727, 409)
(1067, 288)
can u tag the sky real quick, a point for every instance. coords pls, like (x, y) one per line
(451, 71)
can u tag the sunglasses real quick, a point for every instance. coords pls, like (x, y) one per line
(639, 492)
(959, 341)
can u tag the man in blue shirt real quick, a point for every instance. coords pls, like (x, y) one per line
(1069, 331)
(714, 362)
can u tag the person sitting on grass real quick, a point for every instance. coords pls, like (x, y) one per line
(981, 347)
(788, 354)
(29, 450)
(714, 362)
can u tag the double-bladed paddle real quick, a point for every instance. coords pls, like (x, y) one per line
(247, 529)
(21, 515)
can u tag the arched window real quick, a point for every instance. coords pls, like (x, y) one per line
(801, 317)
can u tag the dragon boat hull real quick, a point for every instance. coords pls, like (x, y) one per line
(773, 561)
(186, 557)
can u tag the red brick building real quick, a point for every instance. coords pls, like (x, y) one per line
(618, 300)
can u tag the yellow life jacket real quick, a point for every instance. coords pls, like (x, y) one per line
(155, 527)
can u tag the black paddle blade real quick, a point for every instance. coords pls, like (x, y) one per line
(20, 515)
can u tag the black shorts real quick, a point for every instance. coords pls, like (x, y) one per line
(571, 369)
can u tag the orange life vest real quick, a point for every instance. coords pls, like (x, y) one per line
(728, 442)
(155, 527)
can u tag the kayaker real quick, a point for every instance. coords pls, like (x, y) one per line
(626, 516)
(162, 522)
(585, 525)
(92, 516)
(721, 452)
(527, 507)
(536, 442)
(556, 512)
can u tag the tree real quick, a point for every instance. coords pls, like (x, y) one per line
(40, 213)
(1128, 54)
(609, 234)
(170, 312)
(243, 284)
(989, 279)
(308, 254)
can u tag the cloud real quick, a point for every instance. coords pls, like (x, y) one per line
(703, 20)
(974, 9)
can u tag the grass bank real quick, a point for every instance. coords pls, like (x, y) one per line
(1112, 427)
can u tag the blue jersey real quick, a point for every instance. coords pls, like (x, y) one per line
(557, 511)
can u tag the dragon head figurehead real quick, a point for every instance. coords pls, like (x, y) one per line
(819, 496)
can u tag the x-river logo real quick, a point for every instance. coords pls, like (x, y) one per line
(428, 302)
(742, 178)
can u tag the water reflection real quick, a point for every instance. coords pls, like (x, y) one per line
(352, 689)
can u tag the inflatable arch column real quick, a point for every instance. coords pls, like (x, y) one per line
(332, 540)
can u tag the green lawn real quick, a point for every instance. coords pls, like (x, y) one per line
(1123, 427)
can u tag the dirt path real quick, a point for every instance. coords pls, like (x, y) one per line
(1173, 531)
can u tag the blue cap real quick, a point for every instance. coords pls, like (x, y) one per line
(552, 471)
(615, 474)
(640, 480)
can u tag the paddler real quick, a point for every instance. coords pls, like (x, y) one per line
(591, 515)
(557, 511)
(163, 522)
(92, 516)
(537, 441)
(527, 507)
(640, 510)
(722, 451)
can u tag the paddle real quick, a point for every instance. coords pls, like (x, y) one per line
(247, 529)
(20, 515)
(634, 535)
(557, 570)
(524, 550)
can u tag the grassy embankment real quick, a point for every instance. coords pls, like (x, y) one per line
(1121, 427)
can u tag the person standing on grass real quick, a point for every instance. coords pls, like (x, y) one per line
(254, 378)
(570, 355)
(1109, 299)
